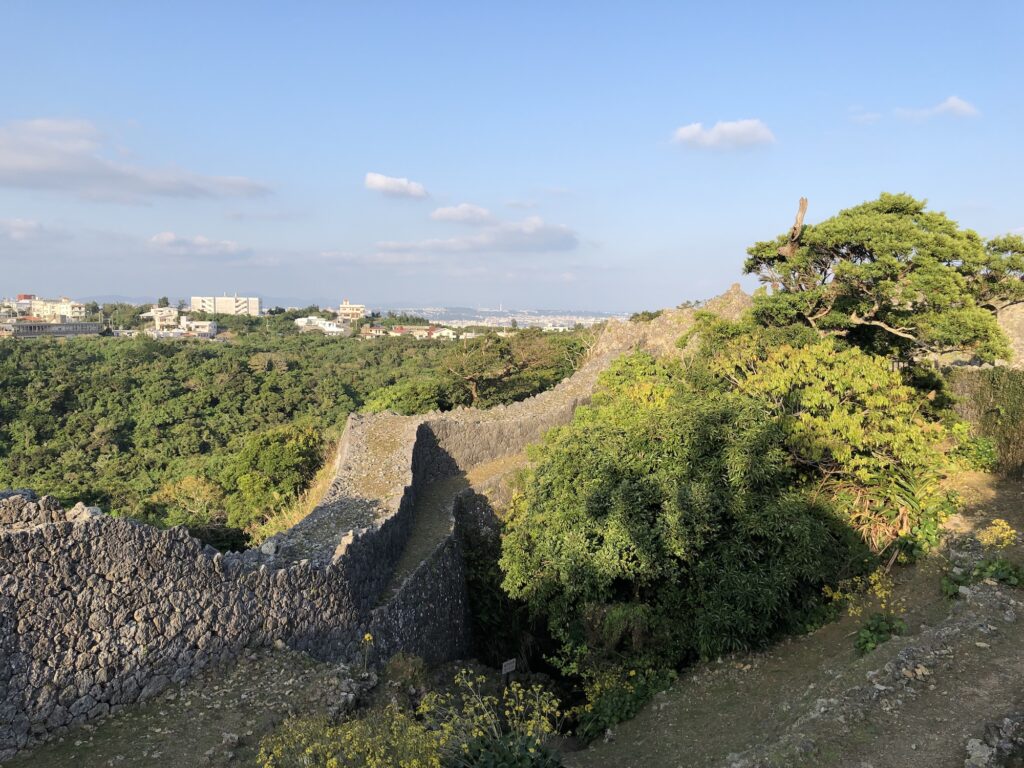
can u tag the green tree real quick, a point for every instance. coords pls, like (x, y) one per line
(192, 501)
(860, 437)
(272, 467)
(889, 276)
(163, 301)
(665, 523)
(416, 395)
(480, 361)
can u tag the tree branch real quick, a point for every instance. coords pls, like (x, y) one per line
(789, 248)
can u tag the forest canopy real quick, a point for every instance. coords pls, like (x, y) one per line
(219, 436)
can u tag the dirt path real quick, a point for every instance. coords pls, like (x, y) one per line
(811, 701)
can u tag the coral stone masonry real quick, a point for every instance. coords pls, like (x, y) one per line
(97, 613)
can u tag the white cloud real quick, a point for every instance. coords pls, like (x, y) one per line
(531, 235)
(195, 246)
(68, 156)
(733, 134)
(953, 106)
(464, 213)
(393, 186)
(22, 229)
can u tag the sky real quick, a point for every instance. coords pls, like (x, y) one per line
(590, 155)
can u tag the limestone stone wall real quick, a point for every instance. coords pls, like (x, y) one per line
(97, 613)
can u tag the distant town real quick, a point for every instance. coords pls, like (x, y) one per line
(28, 316)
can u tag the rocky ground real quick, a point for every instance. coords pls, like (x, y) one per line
(949, 693)
(216, 719)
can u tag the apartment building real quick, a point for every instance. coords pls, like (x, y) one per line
(350, 313)
(50, 309)
(226, 305)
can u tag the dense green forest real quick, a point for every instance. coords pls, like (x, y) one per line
(220, 436)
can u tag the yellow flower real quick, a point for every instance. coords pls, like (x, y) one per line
(998, 534)
(632, 673)
(368, 638)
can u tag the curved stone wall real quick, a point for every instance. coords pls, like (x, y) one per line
(97, 613)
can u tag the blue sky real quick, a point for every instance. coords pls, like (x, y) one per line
(535, 154)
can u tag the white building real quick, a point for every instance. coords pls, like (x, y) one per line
(51, 309)
(350, 313)
(162, 317)
(205, 329)
(226, 305)
(187, 328)
(326, 327)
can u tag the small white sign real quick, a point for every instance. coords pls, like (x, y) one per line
(508, 667)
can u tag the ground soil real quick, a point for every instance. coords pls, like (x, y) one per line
(216, 719)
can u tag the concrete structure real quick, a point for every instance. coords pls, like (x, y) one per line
(326, 327)
(50, 309)
(187, 328)
(226, 305)
(34, 328)
(350, 313)
(162, 317)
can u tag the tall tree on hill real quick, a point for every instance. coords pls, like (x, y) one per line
(892, 277)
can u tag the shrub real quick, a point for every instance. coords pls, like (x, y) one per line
(645, 316)
(390, 738)
(507, 751)
(878, 629)
(615, 694)
(464, 729)
(416, 395)
(663, 524)
(992, 400)
(473, 721)
(973, 451)
(854, 428)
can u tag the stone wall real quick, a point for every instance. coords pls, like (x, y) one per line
(97, 613)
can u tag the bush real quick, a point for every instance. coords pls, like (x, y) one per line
(645, 316)
(973, 451)
(465, 729)
(992, 400)
(615, 694)
(506, 751)
(857, 432)
(663, 523)
(417, 395)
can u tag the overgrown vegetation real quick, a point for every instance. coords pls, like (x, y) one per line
(222, 437)
(470, 727)
(992, 400)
